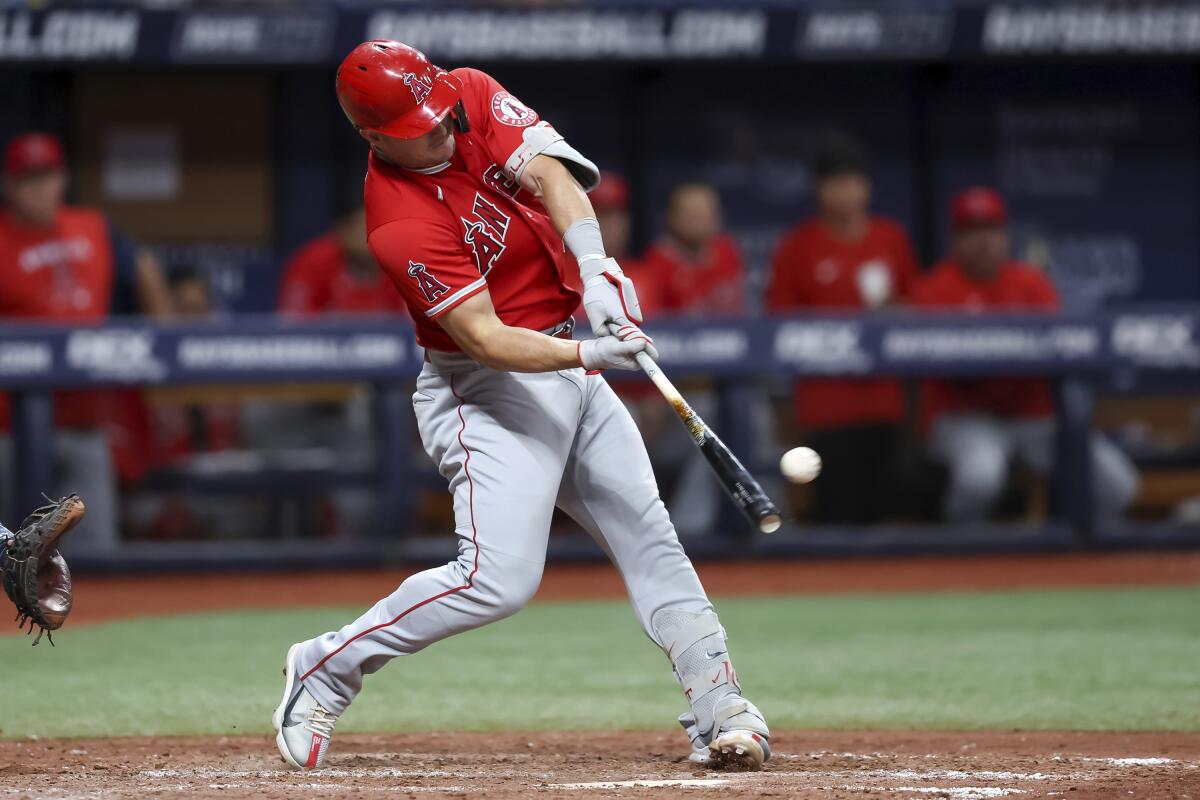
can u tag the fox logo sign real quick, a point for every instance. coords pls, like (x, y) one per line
(420, 86)
(431, 287)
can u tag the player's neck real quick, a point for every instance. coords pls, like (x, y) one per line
(429, 170)
(846, 227)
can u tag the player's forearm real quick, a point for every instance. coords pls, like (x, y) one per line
(519, 350)
(553, 184)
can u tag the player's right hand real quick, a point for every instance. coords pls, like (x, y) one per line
(618, 351)
(609, 298)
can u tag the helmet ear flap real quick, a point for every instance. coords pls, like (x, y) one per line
(459, 113)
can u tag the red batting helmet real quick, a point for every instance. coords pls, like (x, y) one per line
(390, 88)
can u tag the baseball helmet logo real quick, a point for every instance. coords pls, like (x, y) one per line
(511, 111)
(421, 86)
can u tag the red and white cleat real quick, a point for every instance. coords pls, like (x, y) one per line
(303, 728)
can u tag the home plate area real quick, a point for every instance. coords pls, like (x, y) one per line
(807, 764)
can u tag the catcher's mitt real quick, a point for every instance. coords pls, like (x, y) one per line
(36, 577)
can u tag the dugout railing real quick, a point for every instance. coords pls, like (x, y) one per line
(1120, 349)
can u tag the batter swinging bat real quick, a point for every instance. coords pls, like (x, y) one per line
(735, 478)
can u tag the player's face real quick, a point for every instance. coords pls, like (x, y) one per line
(694, 215)
(981, 249)
(845, 195)
(36, 198)
(430, 150)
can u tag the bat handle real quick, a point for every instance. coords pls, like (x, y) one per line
(652, 370)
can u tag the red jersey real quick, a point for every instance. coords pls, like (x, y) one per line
(444, 235)
(1016, 287)
(675, 283)
(318, 280)
(812, 270)
(63, 273)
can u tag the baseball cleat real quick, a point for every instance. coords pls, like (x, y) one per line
(738, 751)
(303, 728)
(741, 741)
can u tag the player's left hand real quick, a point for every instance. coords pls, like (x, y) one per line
(609, 299)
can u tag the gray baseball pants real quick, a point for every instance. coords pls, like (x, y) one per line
(513, 446)
(977, 449)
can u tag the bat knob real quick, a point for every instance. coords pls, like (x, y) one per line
(770, 523)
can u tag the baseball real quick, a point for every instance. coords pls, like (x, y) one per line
(800, 464)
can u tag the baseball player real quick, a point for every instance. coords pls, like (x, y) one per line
(476, 209)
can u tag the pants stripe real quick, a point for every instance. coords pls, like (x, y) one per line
(474, 541)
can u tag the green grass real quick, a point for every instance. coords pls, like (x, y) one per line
(1119, 659)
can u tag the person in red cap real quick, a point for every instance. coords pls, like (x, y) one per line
(977, 426)
(477, 209)
(846, 259)
(69, 264)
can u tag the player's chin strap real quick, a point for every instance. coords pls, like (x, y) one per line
(695, 643)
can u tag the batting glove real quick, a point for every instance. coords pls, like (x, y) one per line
(618, 351)
(609, 298)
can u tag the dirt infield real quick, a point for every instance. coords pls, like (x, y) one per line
(894, 765)
(100, 598)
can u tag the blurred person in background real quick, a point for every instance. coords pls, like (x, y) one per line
(610, 201)
(336, 274)
(846, 259)
(694, 268)
(69, 265)
(977, 426)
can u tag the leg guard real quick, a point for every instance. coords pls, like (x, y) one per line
(695, 643)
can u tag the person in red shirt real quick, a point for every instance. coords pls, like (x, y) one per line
(68, 264)
(477, 210)
(694, 268)
(977, 426)
(336, 274)
(846, 259)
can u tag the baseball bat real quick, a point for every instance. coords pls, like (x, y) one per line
(735, 478)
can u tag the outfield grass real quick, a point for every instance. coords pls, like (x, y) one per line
(1118, 659)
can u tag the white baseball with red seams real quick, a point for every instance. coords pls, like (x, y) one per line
(514, 446)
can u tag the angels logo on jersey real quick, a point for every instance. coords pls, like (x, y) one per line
(420, 86)
(485, 232)
(498, 179)
(512, 111)
(431, 287)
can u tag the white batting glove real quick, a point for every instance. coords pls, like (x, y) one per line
(617, 351)
(609, 297)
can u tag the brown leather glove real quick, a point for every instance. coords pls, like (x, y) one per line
(36, 576)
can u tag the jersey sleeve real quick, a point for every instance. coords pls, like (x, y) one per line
(426, 261)
(1045, 296)
(513, 134)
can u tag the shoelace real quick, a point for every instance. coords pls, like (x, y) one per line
(322, 722)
